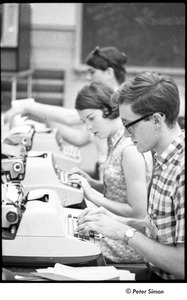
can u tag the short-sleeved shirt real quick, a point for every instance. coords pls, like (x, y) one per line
(115, 189)
(166, 202)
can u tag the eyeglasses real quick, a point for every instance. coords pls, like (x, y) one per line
(127, 126)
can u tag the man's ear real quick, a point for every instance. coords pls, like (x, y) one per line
(158, 119)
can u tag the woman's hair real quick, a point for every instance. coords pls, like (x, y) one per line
(97, 95)
(103, 58)
(150, 92)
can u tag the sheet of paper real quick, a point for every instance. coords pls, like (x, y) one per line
(83, 273)
(98, 273)
(125, 275)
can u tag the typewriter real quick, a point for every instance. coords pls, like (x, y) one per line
(66, 156)
(13, 163)
(38, 231)
(44, 138)
(20, 135)
(43, 172)
(12, 196)
(67, 149)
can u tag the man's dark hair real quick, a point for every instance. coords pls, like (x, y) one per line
(150, 92)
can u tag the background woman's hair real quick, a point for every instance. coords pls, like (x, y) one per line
(103, 58)
(97, 95)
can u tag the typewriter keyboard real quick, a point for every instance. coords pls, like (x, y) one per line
(89, 236)
(71, 151)
(63, 176)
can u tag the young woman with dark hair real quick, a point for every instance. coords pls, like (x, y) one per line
(126, 172)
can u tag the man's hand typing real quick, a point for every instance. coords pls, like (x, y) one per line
(101, 221)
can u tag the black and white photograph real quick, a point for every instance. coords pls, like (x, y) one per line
(93, 149)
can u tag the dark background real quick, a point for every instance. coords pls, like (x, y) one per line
(151, 34)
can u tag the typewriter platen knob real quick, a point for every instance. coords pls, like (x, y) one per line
(17, 167)
(24, 141)
(11, 216)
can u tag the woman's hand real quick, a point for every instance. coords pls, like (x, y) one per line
(80, 172)
(83, 182)
(18, 107)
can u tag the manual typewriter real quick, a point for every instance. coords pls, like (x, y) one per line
(42, 172)
(68, 150)
(13, 162)
(44, 138)
(38, 231)
(20, 135)
(66, 156)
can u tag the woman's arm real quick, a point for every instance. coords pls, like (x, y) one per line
(44, 112)
(135, 177)
(76, 136)
(92, 183)
(134, 171)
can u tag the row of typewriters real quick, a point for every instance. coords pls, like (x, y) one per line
(39, 205)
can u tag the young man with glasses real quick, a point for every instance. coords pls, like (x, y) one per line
(149, 107)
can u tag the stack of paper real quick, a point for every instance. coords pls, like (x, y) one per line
(62, 273)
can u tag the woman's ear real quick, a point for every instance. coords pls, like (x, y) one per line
(110, 71)
(106, 112)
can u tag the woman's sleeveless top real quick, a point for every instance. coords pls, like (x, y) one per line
(115, 189)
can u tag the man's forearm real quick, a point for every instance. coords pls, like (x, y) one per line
(165, 257)
(138, 223)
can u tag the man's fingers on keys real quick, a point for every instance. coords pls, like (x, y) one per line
(85, 212)
(84, 217)
(86, 227)
(74, 176)
(73, 171)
